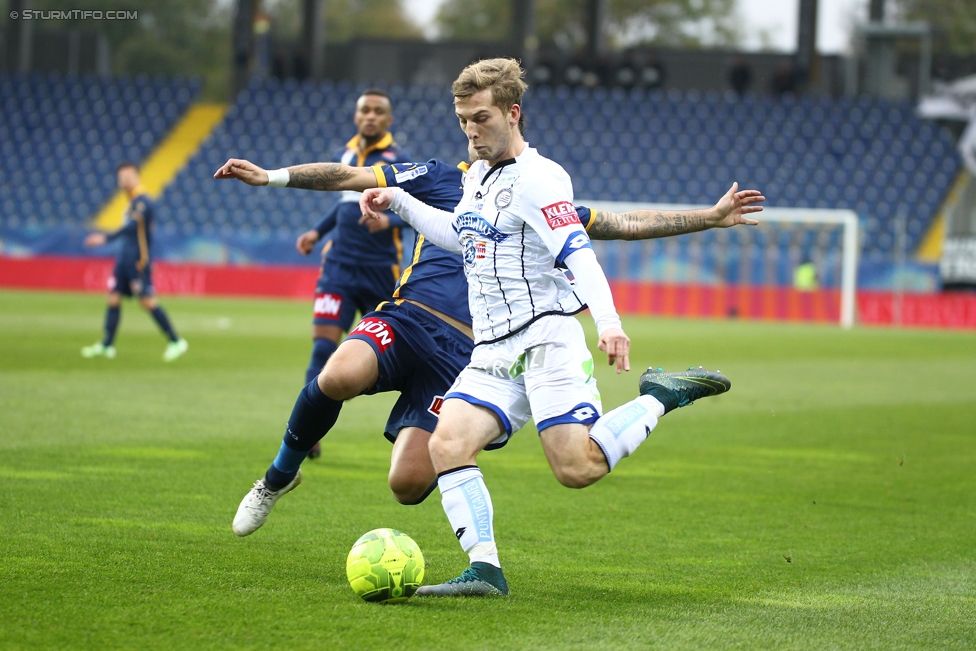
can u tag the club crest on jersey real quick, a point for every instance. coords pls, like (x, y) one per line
(327, 306)
(469, 251)
(435, 405)
(503, 198)
(377, 330)
(559, 214)
(475, 223)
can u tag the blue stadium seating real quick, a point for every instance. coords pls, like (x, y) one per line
(872, 156)
(62, 137)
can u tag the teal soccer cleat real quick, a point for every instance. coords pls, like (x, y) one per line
(479, 580)
(678, 389)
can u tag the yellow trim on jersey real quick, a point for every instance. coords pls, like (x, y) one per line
(398, 243)
(464, 167)
(137, 191)
(589, 224)
(409, 270)
(143, 243)
(382, 143)
(380, 176)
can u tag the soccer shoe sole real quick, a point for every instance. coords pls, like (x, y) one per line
(466, 589)
(239, 527)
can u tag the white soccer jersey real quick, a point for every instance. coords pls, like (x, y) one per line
(514, 222)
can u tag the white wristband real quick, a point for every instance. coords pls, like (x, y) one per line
(278, 178)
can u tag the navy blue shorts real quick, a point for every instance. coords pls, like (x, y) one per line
(344, 289)
(129, 281)
(419, 355)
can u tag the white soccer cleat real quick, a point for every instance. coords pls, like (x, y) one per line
(175, 349)
(257, 504)
(98, 350)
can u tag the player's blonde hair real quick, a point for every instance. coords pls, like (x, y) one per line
(502, 76)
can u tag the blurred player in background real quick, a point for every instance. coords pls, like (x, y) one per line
(359, 266)
(133, 269)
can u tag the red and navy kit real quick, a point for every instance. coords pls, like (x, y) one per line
(133, 267)
(359, 268)
(419, 354)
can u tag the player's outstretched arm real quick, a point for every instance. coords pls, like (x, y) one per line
(433, 223)
(328, 177)
(731, 210)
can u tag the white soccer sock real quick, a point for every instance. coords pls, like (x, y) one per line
(619, 432)
(467, 504)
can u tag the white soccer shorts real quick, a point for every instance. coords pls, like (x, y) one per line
(544, 372)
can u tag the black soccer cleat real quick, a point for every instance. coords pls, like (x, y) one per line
(479, 580)
(682, 388)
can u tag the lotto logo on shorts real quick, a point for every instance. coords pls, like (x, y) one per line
(435, 405)
(560, 214)
(377, 330)
(328, 305)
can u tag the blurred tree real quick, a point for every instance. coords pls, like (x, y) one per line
(346, 19)
(687, 23)
(957, 18)
(170, 37)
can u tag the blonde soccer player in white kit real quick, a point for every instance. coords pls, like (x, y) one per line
(513, 226)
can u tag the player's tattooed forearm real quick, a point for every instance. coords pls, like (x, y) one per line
(644, 224)
(318, 176)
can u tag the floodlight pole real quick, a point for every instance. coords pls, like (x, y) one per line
(242, 45)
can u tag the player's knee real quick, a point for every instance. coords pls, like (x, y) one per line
(446, 450)
(410, 491)
(114, 300)
(339, 384)
(574, 475)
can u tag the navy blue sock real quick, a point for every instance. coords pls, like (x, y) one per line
(322, 350)
(312, 417)
(163, 322)
(112, 316)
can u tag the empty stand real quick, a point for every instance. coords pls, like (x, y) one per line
(61, 139)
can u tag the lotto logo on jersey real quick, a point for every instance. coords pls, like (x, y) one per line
(560, 214)
(327, 306)
(377, 330)
(435, 405)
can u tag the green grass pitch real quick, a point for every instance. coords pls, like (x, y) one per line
(828, 501)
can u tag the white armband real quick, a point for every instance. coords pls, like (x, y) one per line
(279, 178)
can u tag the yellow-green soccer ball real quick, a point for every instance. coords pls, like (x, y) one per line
(385, 566)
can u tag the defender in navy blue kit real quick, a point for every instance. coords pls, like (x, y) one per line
(418, 342)
(132, 275)
(360, 264)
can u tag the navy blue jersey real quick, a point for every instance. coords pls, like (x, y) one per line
(136, 232)
(436, 277)
(352, 243)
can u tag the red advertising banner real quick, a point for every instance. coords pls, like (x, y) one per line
(946, 310)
